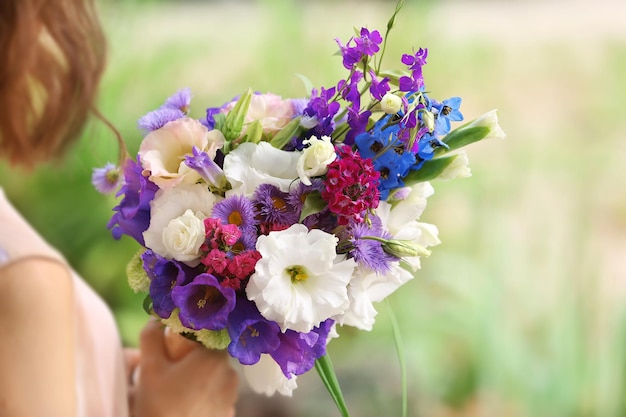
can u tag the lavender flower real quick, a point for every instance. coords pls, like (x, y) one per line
(273, 206)
(106, 179)
(181, 100)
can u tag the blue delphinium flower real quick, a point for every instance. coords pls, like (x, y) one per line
(447, 111)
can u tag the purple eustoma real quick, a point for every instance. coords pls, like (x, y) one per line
(132, 214)
(250, 333)
(204, 303)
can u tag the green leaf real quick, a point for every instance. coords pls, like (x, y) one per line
(326, 371)
(254, 133)
(393, 75)
(312, 204)
(147, 304)
(429, 171)
(462, 136)
(308, 85)
(283, 137)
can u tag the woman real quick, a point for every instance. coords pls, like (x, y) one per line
(60, 353)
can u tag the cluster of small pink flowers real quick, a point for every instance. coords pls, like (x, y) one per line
(351, 186)
(223, 256)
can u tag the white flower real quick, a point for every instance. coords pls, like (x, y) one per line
(300, 280)
(266, 377)
(366, 288)
(176, 226)
(250, 165)
(183, 236)
(490, 120)
(162, 151)
(315, 158)
(401, 220)
(458, 168)
(391, 103)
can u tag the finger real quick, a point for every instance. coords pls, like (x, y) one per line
(177, 346)
(131, 360)
(152, 345)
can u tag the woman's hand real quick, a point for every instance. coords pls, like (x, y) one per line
(196, 382)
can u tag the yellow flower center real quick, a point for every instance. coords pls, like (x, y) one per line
(297, 273)
(235, 218)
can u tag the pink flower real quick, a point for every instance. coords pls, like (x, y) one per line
(270, 110)
(162, 151)
(351, 186)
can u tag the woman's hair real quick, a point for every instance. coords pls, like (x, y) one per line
(52, 55)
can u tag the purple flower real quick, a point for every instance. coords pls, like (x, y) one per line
(358, 123)
(202, 163)
(415, 62)
(367, 44)
(164, 275)
(237, 210)
(106, 179)
(204, 303)
(181, 100)
(250, 333)
(379, 87)
(298, 352)
(368, 252)
(158, 118)
(322, 109)
(273, 206)
(132, 214)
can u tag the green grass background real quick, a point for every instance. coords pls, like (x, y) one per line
(520, 311)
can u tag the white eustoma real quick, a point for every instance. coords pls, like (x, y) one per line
(250, 165)
(401, 220)
(390, 103)
(162, 152)
(300, 280)
(315, 158)
(368, 287)
(176, 221)
(266, 377)
(458, 168)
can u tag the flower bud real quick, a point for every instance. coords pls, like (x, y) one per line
(429, 120)
(458, 168)
(404, 248)
(391, 103)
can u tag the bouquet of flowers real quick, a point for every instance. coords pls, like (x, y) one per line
(269, 221)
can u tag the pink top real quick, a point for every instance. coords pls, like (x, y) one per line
(100, 377)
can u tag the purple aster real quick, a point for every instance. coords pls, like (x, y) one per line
(297, 196)
(202, 163)
(273, 206)
(237, 210)
(158, 118)
(250, 333)
(181, 100)
(164, 275)
(106, 179)
(298, 352)
(369, 252)
(132, 214)
(204, 303)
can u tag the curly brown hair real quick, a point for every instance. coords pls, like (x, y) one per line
(53, 55)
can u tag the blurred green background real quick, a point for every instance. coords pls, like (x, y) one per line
(520, 311)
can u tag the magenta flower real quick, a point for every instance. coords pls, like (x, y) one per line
(351, 186)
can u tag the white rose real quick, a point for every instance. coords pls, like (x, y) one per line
(170, 220)
(315, 159)
(184, 235)
(250, 165)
